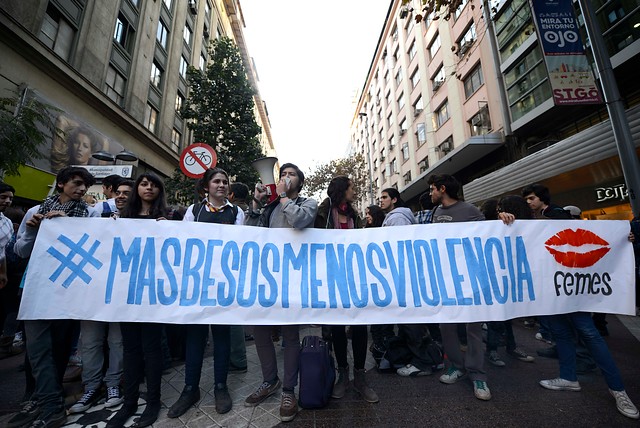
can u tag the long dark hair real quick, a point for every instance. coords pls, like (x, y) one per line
(376, 214)
(337, 191)
(515, 205)
(134, 203)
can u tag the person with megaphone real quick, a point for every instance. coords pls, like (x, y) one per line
(288, 210)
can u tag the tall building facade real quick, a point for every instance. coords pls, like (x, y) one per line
(570, 149)
(116, 73)
(429, 102)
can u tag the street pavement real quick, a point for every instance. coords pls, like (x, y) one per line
(518, 400)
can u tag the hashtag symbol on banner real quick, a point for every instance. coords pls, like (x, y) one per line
(76, 270)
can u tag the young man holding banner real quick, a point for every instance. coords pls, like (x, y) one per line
(289, 210)
(565, 328)
(444, 194)
(49, 341)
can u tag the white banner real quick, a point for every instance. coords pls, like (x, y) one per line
(186, 272)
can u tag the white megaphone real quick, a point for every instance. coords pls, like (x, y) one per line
(264, 166)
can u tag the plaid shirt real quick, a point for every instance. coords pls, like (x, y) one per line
(6, 231)
(424, 217)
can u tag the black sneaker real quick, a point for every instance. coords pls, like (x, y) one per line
(222, 398)
(29, 413)
(53, 419)
(88, 399)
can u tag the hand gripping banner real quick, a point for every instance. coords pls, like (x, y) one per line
(199, 273)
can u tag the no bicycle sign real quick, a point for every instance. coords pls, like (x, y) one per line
(197, 159)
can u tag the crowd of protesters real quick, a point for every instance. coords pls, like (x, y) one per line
(117, 357)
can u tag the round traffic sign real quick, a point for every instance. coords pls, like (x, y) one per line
(197, 159)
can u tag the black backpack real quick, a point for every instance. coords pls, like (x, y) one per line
(317, 373)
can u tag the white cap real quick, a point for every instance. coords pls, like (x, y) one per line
(573, 210)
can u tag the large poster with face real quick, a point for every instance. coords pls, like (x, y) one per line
(72, 141)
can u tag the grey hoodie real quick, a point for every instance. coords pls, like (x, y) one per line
(399, 217)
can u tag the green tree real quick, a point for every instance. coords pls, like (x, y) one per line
(354, 167)
(25, 125)
(444, 7)
(220, 112)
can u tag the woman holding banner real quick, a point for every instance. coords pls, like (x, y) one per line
(214, 208)
(336, 212)
(141, 340)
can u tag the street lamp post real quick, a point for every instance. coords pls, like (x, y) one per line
(366, 130)
(124, 155)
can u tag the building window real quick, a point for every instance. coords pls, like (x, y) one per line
(57, 33)
(407, 177)
(473, 81)
(441, 115)
(124, 33)
(434, 46)
(207, 8)
(156, 75)
(183, 67)
(390, 120)
(418, 106)
(438, 78)
(423, 165)
(386, 78)
(394, 166)
(415, 78)
(480, 123)
(401, 101)
(394, 33)
(458, 11)
(187, 34)
(167, 3)
(464, 44)
(150, 118)
(405, 151)
(179, 102)
(162, 33)
(399, 77)
(114, 85)
(421, 133)
(176, 138)
(412, 50)
(392, 143)
(203, 62)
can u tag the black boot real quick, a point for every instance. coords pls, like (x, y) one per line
(190, 396)
(127, 410)
(149, 415)
(223, 399)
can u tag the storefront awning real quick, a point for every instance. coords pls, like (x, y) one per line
(584, 148)
(462, 156)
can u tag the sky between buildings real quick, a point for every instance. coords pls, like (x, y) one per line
(312, 58)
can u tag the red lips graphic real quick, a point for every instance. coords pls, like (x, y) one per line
(577, 238)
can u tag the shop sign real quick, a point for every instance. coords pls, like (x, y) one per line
(619, 191)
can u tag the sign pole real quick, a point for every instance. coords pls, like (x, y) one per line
(615, 106)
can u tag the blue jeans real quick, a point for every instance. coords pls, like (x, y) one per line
(195, 344)
(562, 328)
(495, 330)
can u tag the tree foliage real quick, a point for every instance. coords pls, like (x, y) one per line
(25, 125)
(220, 112)
(444, 7)
(353, 167)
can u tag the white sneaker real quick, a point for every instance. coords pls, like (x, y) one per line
(481, 390)
(542, 339)
(452, 375)
(559, 384)
(624, 404)
(411, 370)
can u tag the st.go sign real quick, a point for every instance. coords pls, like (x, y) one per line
(197, 159)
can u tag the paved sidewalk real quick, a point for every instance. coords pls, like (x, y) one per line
(405, 402)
